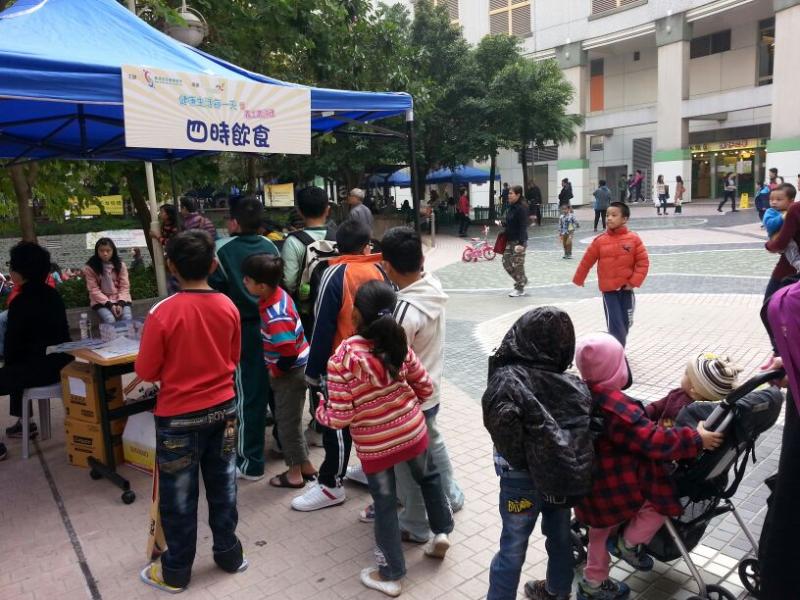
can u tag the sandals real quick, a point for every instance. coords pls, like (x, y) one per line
(282, 481)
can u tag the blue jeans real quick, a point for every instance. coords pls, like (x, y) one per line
(187, 445)
(619, 307)
(382, 487)
(413, 517)
(520, 506)
(106, 316)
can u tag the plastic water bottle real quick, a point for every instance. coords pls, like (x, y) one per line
(85, 326)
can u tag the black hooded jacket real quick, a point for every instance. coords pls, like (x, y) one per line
(539, 416)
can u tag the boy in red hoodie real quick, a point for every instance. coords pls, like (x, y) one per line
(191, 344)
(622, 265)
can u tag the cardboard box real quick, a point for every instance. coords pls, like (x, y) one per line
(139, 441)
(86, 439)
(80, 393)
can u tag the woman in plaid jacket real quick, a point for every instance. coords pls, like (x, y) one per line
(630, 480)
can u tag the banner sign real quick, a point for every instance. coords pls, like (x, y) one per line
(122, 238)
(112, 205)
(195, 111)
(279, 195)
(728, 145)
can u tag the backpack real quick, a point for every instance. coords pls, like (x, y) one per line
(315, 261)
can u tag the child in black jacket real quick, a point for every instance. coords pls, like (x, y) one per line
(539, 419)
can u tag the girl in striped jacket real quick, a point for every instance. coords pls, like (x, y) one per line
(376, 385)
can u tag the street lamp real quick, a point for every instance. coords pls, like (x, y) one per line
(194, 29)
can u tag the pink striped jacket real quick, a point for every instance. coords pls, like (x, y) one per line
(384, 415)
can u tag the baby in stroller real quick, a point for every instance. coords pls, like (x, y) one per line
(708, 377)
(631, 482)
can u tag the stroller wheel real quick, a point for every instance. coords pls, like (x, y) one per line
(578, 549)
(715, 592)
(750, 574)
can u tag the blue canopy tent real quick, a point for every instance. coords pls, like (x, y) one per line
(461, 174)
(61, 81)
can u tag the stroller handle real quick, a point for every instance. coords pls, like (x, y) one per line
(720, 417)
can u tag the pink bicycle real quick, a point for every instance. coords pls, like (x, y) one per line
(479, 248)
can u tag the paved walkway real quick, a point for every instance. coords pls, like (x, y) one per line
(63, 535)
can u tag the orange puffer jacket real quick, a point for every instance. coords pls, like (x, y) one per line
(621, 260)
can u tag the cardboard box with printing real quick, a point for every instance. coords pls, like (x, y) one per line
(86, 439)
(81, 398)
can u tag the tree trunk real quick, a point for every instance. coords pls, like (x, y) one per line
(22, 189)
(524, 161)
(140, 204)
(492, 171)
(252, 179)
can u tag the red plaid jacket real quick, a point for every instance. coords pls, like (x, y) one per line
(629, 462)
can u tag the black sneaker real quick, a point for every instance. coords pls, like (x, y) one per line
(636, 557)
(610, 589)
(3, 452)
(15, 431)
(537, 590)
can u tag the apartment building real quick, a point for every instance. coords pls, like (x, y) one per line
(696, 88)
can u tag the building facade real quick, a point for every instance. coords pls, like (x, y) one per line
(690, 88)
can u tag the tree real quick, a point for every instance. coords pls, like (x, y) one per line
(487, 103)
(536, 109)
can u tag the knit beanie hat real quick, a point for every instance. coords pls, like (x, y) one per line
(601, 360)
(713, 377)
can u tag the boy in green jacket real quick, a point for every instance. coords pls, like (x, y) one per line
(251, 378)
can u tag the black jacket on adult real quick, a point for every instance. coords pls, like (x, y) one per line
(539, 417)
(36, 319)
(534, 195)
(517, 222)
(565, 195)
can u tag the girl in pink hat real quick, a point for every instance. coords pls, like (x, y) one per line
(631, 483)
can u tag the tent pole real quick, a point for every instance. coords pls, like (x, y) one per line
(158, 252)
(413, 163)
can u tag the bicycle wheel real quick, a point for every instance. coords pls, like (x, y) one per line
(488, 253)
(466, 256)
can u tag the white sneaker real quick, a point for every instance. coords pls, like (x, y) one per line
(318, 496)
(516, 293)
(313, 438)
(438, 546)
(356, 473)
(240, 475)
(390, 588)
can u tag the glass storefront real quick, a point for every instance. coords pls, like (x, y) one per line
(712, 162)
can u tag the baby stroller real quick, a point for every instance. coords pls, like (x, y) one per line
(704, 485)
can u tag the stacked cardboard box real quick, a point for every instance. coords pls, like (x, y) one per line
(84, 434)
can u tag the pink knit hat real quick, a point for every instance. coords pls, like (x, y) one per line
(601, 361)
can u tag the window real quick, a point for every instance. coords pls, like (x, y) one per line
(603, 6)
(596, 143)
(596, 85)
(452, 8)
(766, 50)
(712, 43)
(512, 17)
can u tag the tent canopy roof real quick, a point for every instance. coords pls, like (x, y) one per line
(462, 174)
(61, 81)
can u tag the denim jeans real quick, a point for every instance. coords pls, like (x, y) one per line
(183, 451)
(520, 506)
(413, 517)
(382, 487)
(106, 316)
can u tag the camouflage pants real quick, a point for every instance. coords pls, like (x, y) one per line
(514, 264)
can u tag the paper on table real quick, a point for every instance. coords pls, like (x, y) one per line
(121, 346)
(77, 387)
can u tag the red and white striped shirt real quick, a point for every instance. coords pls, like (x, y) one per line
(384, 415)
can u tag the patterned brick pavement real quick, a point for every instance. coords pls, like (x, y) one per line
(57, 535)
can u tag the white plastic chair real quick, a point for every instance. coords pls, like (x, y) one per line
(43, 395)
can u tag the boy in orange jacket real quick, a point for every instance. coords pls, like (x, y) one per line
(622, 265)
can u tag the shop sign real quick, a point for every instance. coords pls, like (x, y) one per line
(727, 145)
(195, 111)
(112, 205)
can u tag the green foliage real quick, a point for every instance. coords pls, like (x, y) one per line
(10, 228)
(74, 294)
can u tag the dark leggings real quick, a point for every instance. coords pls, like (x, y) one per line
(778, 558)
(598, 215)
(728, 195)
